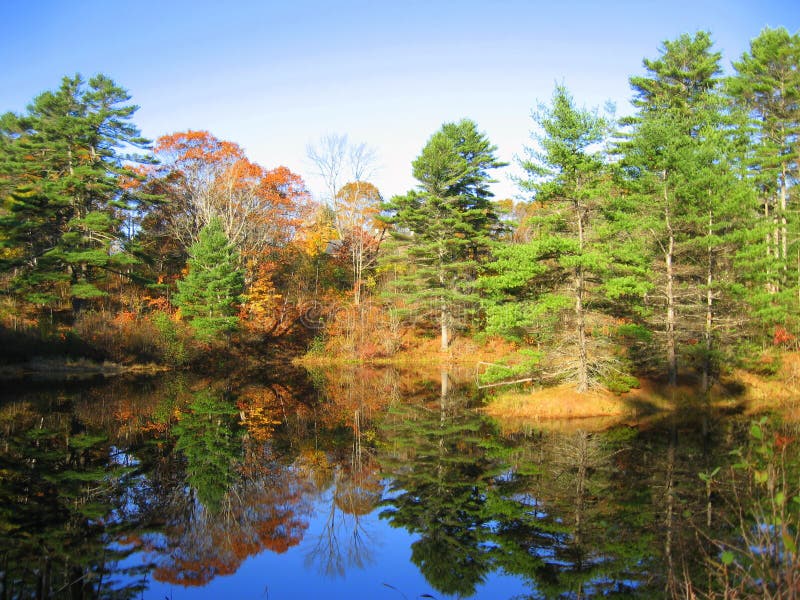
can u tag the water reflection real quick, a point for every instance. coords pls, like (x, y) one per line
(62, 501)
(114, 489)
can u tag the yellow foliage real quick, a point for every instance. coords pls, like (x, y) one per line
(317, 234)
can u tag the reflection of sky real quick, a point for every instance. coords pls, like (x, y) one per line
(274, 76)
(388, 574)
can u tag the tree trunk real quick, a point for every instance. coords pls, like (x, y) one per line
(784, 235)
(580, 317)
(445, 328)
(672, 356)
(357, 254)
(671, 586)
(709, 311)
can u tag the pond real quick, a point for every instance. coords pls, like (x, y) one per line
(352, 484)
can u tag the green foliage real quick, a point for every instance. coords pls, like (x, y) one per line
(317, 346)
(173, 344)
(634, 332)
(60, 499)
(530, 287)
(62, 216)
(209, 295)
(762, 557)
(683, 167)
(521, 364)
(619, 383)
(208, 435)
(765, 87)
(448, 224)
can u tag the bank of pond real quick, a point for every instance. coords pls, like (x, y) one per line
(377, 483)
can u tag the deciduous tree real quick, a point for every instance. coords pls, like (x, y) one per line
(358, 205)
(206, 178)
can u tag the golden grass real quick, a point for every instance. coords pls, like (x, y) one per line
(420, 351)
(561, 407)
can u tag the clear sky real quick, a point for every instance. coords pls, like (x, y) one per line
(273, 76)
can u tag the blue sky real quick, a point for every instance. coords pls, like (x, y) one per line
(273, 77)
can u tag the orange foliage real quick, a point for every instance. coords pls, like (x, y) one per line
(260, 409)
(197, 146)
(134, 177)
(207, 177)
(159, 304)
(317, 233)
(781, 337)
(267, 514)
(261, 309)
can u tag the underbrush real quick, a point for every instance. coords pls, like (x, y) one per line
(130, 338)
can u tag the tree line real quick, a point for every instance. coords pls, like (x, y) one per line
(665, 241)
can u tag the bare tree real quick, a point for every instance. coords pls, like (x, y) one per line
(338, 160)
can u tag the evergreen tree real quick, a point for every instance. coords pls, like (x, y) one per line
(448, 223)
(64, 174)
(669, 158)
(767, 86)
(556, 269)
(209, 439)
(209, 295)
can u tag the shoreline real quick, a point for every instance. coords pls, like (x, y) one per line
(63, 368)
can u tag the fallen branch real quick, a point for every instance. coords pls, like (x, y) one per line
(488, 385)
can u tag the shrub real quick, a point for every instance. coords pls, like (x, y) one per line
(757, 554)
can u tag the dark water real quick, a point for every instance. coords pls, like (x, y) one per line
(362, 484)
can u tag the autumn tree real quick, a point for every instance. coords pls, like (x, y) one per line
(206, 178)
(337, 159)
(448, 223)
(358, 204)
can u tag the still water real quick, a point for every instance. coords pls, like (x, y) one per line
(353, 484)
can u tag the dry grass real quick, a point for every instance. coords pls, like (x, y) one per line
(780, 392)
(421, 351)
(561, 407)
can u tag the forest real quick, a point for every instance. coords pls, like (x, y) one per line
(662, 244)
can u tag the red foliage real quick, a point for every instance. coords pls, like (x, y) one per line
(781, 337)
(782, 441)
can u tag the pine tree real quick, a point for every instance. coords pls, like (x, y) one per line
(64, 173)
(566, 172)
(448, 223)
(767, 87)
(665, 155)
(209, 295)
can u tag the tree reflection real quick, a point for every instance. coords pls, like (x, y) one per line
(187, 486)
(441, 478)
(240, 498)
(209, 437)
(565, 524)
(59, 487)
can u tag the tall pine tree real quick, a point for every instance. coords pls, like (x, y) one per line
(676, 100)
(556, 270)
(767, 86)
(448, 224)
(64, 168)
